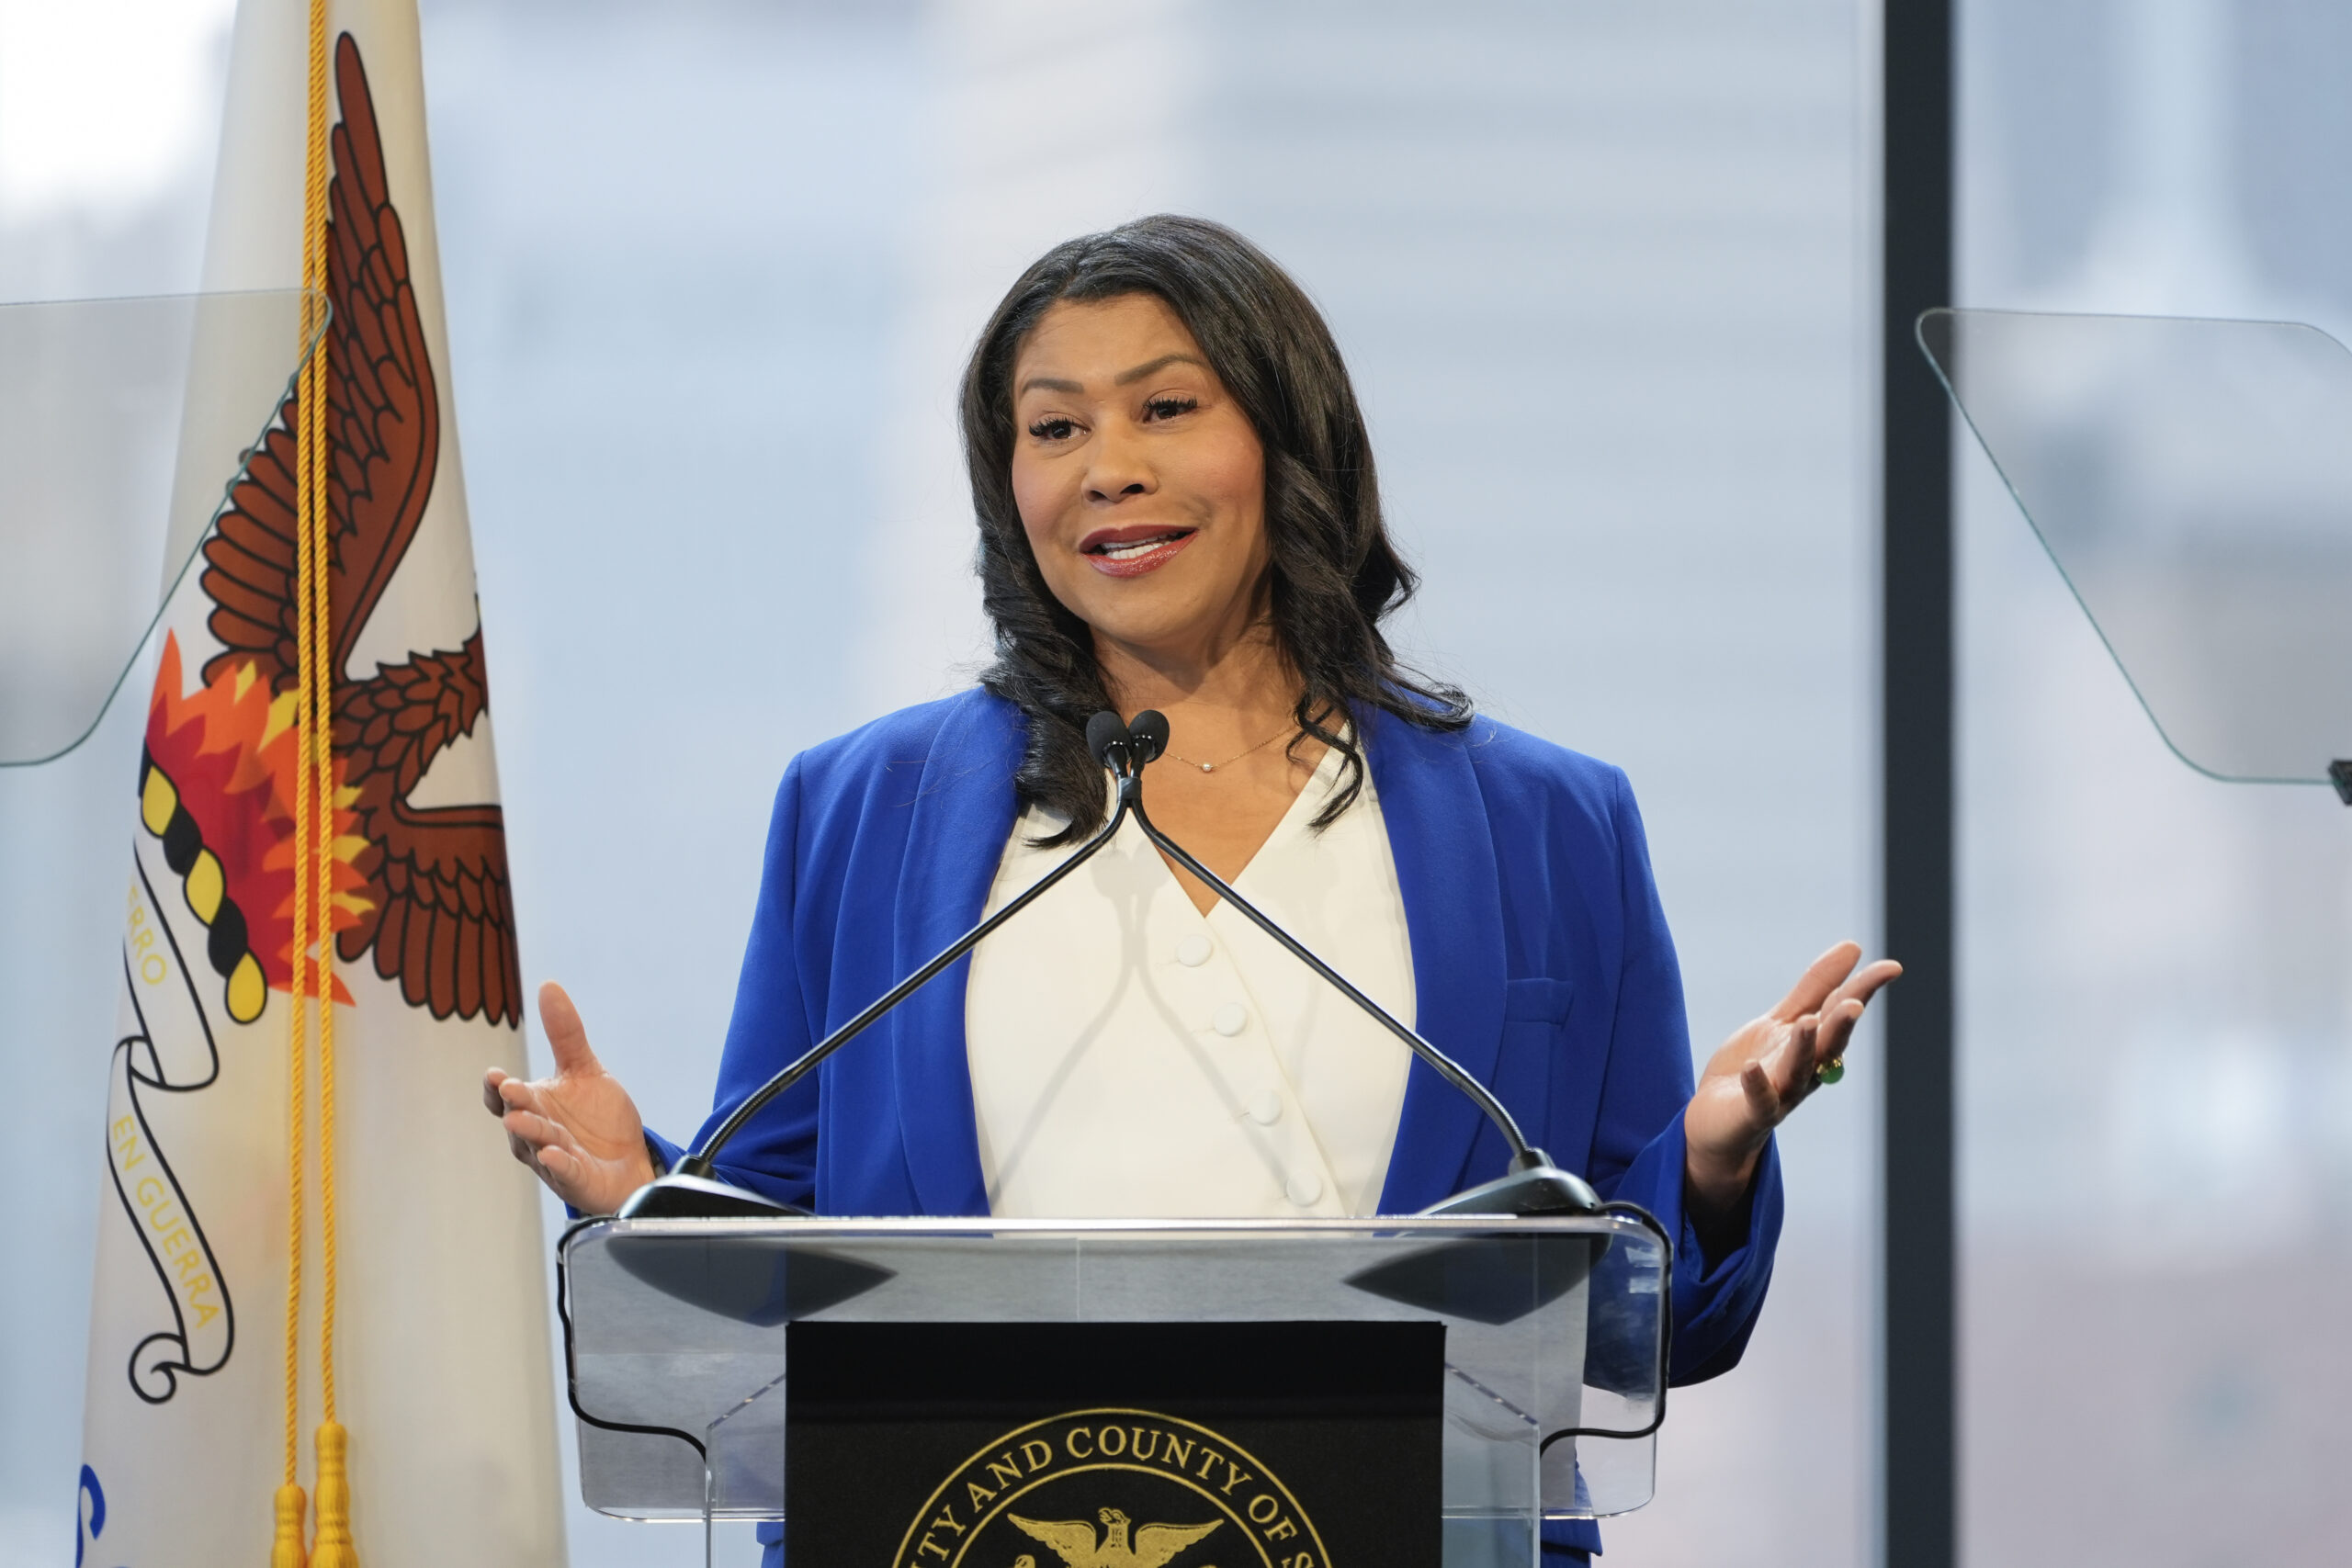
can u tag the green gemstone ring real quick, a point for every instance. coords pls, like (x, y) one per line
(1830, 1071)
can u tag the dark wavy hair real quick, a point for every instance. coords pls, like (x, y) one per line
(1337, 574)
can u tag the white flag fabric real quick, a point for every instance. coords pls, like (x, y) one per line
(442, 1354)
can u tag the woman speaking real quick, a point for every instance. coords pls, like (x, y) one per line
(1177, 509)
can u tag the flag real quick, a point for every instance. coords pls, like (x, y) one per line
(234, 1111)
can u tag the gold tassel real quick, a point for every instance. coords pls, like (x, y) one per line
(285, 1550)
(333, 1548)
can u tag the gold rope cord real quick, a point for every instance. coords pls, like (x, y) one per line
(332, 1548)
(313, 822)
(323, 791)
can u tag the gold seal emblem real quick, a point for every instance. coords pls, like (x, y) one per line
(1111, 1489)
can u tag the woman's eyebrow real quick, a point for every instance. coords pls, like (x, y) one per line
(1162, 363)
(1124, 378)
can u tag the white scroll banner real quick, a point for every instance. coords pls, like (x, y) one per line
(170, 1050)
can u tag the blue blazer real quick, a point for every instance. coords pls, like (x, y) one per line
(1541, 963)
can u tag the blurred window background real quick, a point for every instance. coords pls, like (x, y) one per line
(1602, 272)
(2156, 996)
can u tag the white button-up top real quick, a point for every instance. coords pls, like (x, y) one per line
(1131, 1057)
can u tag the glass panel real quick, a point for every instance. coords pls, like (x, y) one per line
(123, 423)
(744, 1457)
(677, 1326)
(2154, 1013)
(2193, 481)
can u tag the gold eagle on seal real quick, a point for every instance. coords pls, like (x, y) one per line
(1074, 1540)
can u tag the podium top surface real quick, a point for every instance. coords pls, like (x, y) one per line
(1555, 1327)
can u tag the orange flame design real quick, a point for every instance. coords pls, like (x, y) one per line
(231, 750)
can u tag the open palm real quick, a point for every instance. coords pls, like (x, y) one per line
(1765, 1070)
(578, 1129)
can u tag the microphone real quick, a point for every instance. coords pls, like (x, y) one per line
(692, 1192)
(1108, 743)
(1532, 1184)
(1149, 734)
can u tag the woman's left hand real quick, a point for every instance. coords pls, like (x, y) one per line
(1765, 1070)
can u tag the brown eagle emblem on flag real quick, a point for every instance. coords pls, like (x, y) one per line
(439, 915)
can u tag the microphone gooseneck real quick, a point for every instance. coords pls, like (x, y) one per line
(691, 1191)
(1534, 1184)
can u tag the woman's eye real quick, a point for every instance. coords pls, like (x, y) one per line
(1052, 429)
(1170, 407)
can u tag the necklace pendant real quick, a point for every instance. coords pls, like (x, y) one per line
(1208, 767)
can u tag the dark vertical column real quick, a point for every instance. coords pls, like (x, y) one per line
(1920, 1416)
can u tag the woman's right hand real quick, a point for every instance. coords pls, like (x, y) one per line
(579, 1130)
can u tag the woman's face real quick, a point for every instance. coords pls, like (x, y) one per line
(1141, 484)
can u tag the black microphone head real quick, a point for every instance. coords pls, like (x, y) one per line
(1150, 733)
(1105, 734)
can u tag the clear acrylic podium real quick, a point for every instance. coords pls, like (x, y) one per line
(1555, 1337)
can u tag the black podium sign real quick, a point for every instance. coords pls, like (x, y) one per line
(1114, 1445)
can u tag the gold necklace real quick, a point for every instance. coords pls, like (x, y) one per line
(1212, 767)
